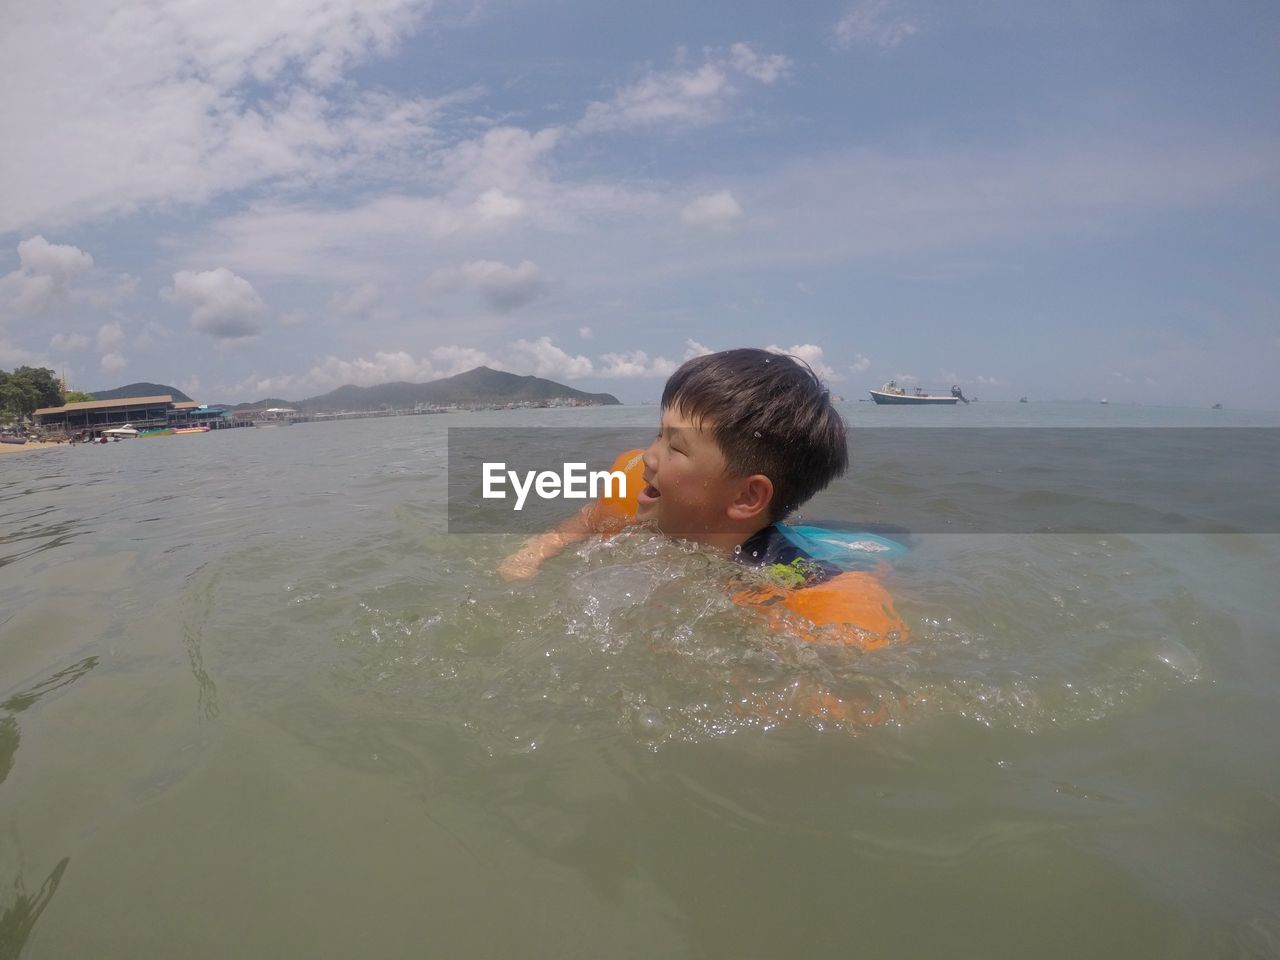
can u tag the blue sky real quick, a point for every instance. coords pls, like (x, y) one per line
(1065, 200)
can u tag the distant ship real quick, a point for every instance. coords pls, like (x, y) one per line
(891, 393)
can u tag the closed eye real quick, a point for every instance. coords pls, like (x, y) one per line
(670, 444)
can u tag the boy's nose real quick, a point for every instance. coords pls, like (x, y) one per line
(650, 457)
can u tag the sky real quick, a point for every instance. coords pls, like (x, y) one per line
(1066, 200)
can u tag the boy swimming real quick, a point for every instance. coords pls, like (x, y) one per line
(746, 437)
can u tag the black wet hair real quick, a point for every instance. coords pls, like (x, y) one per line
(768, 413)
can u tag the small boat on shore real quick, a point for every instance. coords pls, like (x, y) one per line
(121, 433)
(12, 438)
(181, 430)
(893, 394)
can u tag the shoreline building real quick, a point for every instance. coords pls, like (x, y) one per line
(91, 417)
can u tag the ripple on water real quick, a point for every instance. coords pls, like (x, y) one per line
(636, 636)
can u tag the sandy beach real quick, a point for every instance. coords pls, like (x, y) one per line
(28, 446)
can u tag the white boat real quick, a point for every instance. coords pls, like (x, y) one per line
(891, 393)
(120, 433)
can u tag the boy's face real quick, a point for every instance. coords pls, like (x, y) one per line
(688, 490)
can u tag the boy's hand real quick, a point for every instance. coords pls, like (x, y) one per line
(524, 563)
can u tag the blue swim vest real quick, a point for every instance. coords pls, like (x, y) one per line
(845, 549)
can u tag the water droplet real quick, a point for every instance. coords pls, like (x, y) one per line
(757, 434)
(1178, 658)
(648, 723)
(737, 550)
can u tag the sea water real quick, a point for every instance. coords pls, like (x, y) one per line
(257, 701)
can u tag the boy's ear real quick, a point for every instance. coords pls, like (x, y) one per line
(755, 493)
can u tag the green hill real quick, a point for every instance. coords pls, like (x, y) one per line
(141, 390)
(481, 385)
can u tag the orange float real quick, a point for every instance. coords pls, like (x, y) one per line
(847, 606)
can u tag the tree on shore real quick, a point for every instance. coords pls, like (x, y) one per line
(77, 396)
(27, 389)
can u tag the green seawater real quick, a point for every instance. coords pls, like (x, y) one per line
(257, 701)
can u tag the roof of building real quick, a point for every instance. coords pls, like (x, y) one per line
(107, 404)
(186, 405)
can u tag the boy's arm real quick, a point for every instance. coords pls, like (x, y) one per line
(524, 563)
(606, 516)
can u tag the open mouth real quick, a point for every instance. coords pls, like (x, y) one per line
(648, 494)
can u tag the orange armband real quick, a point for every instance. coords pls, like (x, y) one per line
(617, 509)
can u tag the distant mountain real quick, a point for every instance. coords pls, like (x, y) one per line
(141, 390)
(481, 385)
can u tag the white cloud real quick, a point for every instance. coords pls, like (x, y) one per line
(12, 355)
(542, 358)
(329, 373)
(812, 355)
(113, 362)
(507, 159)
(44, 276)
(503, 287)
(475, 193)
(223, 305)
(108, 341)
(116, 290)
(861, 364)
(989, 381)
(359, 302)
(715, 211)
(329, 243)
(876, 23)
(584, 333)
(478, 189)
(684, 96)
(178, 102)
(868, 204)
(110, 336)
(767, 68)
(454, 359)
(385, 366)
(635, 364)
(69, 342)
